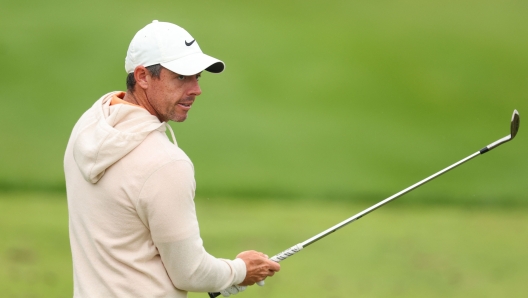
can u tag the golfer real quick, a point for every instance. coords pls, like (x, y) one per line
(132, 219)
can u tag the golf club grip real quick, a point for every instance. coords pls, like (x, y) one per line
(287, 253)
(276, 258)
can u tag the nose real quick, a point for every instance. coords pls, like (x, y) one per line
(195, 88)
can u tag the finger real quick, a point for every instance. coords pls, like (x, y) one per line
(274, 266)
(233, 290)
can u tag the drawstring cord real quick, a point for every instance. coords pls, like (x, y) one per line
(172, 133)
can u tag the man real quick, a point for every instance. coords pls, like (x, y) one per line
(133, 225)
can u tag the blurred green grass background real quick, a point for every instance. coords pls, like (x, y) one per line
(325, 107)
(397, 251)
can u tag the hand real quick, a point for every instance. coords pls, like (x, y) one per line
(258, 267)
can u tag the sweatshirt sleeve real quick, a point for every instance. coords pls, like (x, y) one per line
(166, 206)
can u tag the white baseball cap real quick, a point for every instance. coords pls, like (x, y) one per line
(172, 47)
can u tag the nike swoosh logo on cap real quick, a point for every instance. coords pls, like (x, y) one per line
(189, 43)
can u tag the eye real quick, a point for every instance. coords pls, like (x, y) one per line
(181, 77)
(198, 76)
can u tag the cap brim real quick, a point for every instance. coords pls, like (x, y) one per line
(194, 63)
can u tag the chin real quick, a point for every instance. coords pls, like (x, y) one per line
(179, 118)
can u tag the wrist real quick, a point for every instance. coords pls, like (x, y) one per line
(240, 270)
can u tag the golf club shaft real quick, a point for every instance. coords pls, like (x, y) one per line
(298, 247)
(387, 200)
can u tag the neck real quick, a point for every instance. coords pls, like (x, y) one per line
(141, 100)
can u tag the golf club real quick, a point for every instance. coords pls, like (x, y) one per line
(514, 127)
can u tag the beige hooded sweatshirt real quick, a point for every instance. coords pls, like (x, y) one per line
(133, 225)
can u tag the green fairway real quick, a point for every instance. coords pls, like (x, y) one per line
(394, 252)
(35, 259)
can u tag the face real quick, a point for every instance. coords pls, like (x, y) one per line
(172, 95)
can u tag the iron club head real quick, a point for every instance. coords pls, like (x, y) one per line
(514, 127)
(514, 124)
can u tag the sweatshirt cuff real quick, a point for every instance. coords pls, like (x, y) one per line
(240, 269)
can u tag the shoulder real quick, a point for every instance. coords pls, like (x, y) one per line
(157, 151)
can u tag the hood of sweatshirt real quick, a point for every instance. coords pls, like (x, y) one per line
(106, 133)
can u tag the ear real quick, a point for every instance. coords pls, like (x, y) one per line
(140, 75)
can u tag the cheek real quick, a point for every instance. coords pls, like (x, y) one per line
(173, 91)
(168, 94)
